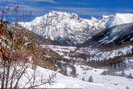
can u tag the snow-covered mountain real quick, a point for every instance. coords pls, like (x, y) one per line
(70, 29)
(115, 35)
(118, 19)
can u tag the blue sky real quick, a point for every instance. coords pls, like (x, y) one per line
(84, 8)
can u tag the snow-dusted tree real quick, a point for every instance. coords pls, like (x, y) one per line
(127, 87)
(90, 79)
(104, 73)
(123, 73)
(83, 79)
(130, 76)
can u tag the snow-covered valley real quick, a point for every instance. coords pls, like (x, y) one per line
(104, 77)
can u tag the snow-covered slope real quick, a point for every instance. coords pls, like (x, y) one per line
(114, 35)
(99, 81)
(70, 28)
(61, 81)
(116, 76)
(119, 19)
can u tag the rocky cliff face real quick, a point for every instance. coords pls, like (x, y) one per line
(17, 43)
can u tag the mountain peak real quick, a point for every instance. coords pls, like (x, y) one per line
(57, 15)
(69, 28)
(119, 19)
(65, 14)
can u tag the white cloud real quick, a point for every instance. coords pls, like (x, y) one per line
(37, 10)
(85, 11)
(80, 11)
(20, 1)
(50, 1)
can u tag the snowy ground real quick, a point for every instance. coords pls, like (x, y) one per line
(111, 82)
(61, 81)
(84, 72)
(99, 81)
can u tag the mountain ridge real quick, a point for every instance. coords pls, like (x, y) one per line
(69, 29)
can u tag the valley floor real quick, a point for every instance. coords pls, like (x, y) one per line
(84, 72)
